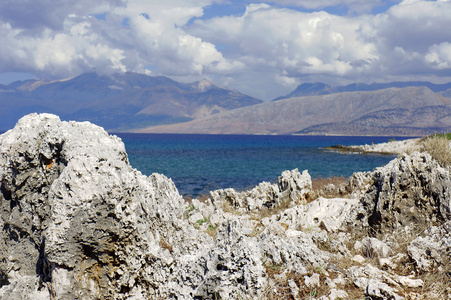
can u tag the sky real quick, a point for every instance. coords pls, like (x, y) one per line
(262, 48)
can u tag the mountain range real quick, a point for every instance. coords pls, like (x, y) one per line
(118, 102)
(411, 111)
(140, 103)
(319, 88)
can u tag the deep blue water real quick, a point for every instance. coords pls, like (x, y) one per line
(199, 163)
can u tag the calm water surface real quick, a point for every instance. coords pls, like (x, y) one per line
(198, 163)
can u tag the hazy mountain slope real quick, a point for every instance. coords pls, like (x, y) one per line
(417, 122)
(297, 114)
(314, 89)
(446, 93)
(120, 101)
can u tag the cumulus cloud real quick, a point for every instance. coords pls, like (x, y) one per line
(439, 56)
(291, 44)
(34, 16)
(353, 5)
(109, 36)
(265, 51)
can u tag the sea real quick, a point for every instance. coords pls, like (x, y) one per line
(198, 164)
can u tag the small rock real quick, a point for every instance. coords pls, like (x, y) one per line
(386, 263)
(294, 289)
(380, 290)
(358, 246)
(432, 250)
(312, 281)
(409, 282)
(372, 247)
(339, 280)
(358, 258)
(330, 283)
(195, 218)
(337, 294)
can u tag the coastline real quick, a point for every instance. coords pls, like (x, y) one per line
(79, 222)
(388, 148)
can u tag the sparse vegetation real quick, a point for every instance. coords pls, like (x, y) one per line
(438, 147)
(212, 230)
(165, 245)
(329, 187)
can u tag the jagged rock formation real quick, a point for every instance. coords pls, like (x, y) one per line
(409, 193)
(292, 188)
(77, 222)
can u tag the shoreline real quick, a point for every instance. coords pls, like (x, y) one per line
(388, 148)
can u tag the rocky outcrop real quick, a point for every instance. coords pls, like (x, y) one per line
(77, 222)
(292, 188)
(410, 193)
(391, 147)
(75, 214)
(432, 251)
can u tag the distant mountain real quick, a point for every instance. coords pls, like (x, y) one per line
(446, 93)
(120, 101)
(393, 111)
(315, 89)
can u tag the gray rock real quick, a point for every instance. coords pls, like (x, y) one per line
(380, 291)
(372, 248)
(432, 251)
(233, 266)
(78, 222)
(73, 208)
(312, 281)
(407, 194)
(292, 188)
(337, 294)
(329, 214)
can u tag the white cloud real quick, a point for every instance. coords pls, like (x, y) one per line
(287, 43)
(353, 5)
(75, 41)
(439, 56)
(265, 51)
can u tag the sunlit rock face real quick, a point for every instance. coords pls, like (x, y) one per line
(78, 222)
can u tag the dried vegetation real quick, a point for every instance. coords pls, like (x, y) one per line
(438, 147)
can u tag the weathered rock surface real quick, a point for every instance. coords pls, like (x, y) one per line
(74, 212)
(392, 147)
(292, 188)
(408, 194)
(433, 251)
(77, 222)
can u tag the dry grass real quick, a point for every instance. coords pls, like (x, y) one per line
(436, 286)
(438, 147)
(330, 187)
(212, 230)
(165, 245)
(278, 287)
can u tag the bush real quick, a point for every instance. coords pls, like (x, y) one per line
(438, 147)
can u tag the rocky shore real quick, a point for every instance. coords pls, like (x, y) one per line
(78, 222)
(391, 147)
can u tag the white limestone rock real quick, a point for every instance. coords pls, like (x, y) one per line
(379, 290)
(77, 222)
(407, 194)
(78, 218)
(433, 250)
(312, 281)
(372, 247)
(292, 188)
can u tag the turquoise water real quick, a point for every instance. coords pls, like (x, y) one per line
(199, 163)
